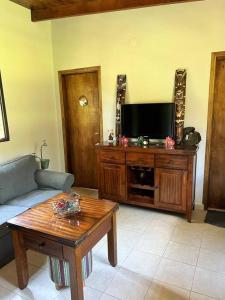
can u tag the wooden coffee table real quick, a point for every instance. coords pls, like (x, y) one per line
(70, 239)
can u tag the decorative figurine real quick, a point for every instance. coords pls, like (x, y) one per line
(191, 137)
(110, 138)
(179, 100)
(124, 141)
(140, 141)
(145, 141)
(120, 99)
(169, 143)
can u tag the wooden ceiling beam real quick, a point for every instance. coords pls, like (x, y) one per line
(52, 9)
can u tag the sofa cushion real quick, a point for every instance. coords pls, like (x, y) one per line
(33, 198)
(17, 177)
(7, 212)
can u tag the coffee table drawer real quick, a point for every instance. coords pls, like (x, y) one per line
(112, 156)
(43, 245)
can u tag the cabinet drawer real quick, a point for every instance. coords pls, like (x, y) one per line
(43, 245)
(134, 158)
(112, 156)
(177, 162)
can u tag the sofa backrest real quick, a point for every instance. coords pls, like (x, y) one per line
(17, 177)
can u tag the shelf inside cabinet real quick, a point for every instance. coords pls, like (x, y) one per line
(141, 199)
(142, 186)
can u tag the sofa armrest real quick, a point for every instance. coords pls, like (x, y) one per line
(56, 180)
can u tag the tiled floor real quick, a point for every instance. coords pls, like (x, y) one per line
(161, 257)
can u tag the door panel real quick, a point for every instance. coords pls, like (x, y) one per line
(112, 181)
(216, 186)
(172, 189)
(82, 126)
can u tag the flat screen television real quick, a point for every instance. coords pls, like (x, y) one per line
(155, 120)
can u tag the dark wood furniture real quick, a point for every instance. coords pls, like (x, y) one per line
(51, 9)
(214, 187)
(66, 238)
(152, 177)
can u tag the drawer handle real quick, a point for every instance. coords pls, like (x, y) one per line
(41, 245)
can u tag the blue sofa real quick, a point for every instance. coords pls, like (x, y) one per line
(22, 186)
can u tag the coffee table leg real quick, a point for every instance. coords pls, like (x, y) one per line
(21, 259)
(73, 256)
(112, 243)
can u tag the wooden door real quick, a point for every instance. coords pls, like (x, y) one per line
(112, 180)
(172, 189)
(214, 183)
(82, 123)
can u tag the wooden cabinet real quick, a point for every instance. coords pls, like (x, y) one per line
(171, 193)
(112, 181)
(151, 177)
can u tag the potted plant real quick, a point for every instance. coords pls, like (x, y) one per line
(44, 161)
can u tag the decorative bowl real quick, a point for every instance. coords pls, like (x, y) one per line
(68, 206)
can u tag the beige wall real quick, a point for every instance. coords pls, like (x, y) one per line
(147, 45)
(27, 75)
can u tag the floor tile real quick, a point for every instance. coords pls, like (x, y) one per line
(195, 296)
(128, 285)
(100, 244)
(89, 294)
(143, 236)
(127, 238)
(37, 259)
(101, 275)
(122, 253)
(162, 291)
(39, 286)
(182, 253)
(187, 236)
(135, 223)
(154, 244)
(175, 273)
(142, 263)
(107, 297)
(15, 297)
(159, 229)
(5, 294)
(209, 283)
(8, 275)
(212, 260)
(214, 240)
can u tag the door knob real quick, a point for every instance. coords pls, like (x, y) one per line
(97, 133)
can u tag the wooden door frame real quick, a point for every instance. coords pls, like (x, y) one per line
(214, 58)
(61, 75)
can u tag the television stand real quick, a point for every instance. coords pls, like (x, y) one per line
(150, 176)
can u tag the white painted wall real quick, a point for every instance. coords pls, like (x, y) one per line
(148, 45)
(27, 73)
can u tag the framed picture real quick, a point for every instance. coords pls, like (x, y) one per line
(4, 130)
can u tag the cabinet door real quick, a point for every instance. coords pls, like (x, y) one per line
(112, 181)
(172, 189)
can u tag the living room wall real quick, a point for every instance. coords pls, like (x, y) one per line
(27, 75)
(148, 45)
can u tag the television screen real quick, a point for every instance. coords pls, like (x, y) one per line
(155, 120)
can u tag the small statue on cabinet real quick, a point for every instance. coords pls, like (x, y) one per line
(124, 141)
(169, 143)
(191, 137)
(111, 135)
